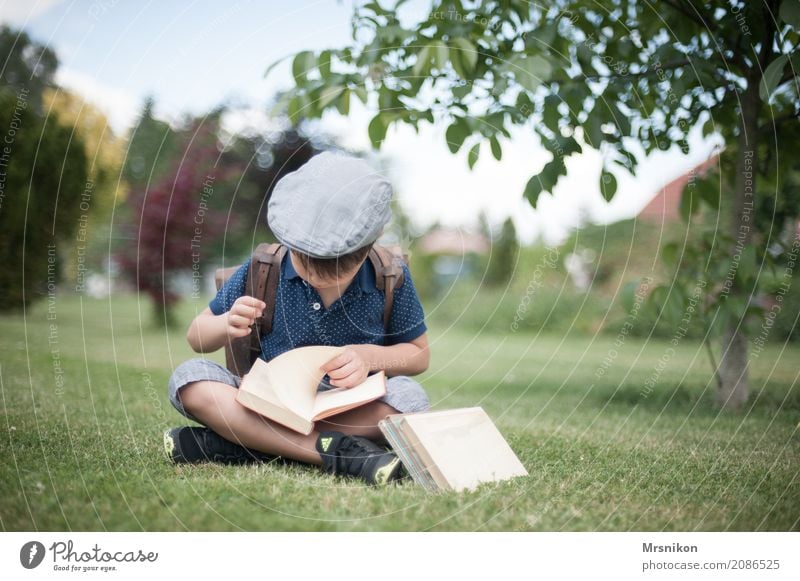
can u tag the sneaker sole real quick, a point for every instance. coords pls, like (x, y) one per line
(386, 474)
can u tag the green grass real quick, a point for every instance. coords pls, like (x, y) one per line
(601, 454)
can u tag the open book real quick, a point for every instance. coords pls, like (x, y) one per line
(452, 449)
(285, 389)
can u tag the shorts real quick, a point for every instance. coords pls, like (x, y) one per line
(402, 393)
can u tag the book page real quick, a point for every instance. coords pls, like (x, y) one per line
(295, 375)
(257, 382)
(340, 399)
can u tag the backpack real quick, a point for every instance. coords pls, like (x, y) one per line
(262, 283)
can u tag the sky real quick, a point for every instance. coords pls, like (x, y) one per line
(192, 56)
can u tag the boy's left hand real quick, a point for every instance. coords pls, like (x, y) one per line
(347, 369)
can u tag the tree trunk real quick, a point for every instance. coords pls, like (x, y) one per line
(733, 381)
(733, 388)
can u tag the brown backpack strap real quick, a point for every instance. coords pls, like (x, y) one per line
(388, 276)
(261, 283)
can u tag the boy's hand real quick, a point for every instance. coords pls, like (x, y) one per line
(347, 369)
(242, 315)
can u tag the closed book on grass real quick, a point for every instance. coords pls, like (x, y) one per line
(452, 449)
(285, 388)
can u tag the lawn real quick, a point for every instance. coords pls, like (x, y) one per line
(84, 407)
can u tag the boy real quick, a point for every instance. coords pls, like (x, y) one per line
(328, 214)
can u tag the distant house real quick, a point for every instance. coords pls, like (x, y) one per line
(455, 254)
(453, 241)
(664, 207)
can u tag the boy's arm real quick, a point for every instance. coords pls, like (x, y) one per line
(208, 332)
(410, 358)
(352, 366)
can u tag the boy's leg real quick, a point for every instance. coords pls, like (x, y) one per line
(361, 421)
(215, 405)
(403, 395)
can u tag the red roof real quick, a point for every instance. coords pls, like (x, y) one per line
(664, 205)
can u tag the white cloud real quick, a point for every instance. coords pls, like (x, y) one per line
(120, 106)
(19, 13)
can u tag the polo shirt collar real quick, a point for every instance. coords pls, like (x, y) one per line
(365, 275)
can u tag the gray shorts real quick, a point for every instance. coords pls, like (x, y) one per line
(402, 393)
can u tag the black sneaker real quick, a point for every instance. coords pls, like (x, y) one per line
(357, 456)
(192, 444)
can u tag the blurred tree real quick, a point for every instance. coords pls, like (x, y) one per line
(43, 174)
(503, 256)
(152, 145)
(104, 150)
(575, 71)
(173, 224)
(87, 251)
(28, 66)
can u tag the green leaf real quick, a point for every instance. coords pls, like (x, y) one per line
(303, 62)
(461, 91)
(377, 130)
(325, 64)
(467, 54)
(296, 109)
(343, 103)
(328, 95)
(423, 64)
(689, 203)
(544, 181)
(542, 37)
(621, 121)
(790, 13)
(574, 96)
(439, 51)
(472, 157)
(628, 160)
(497, 151)
(532, 190)
(608, 185)
(361, 93)
(564, 146)
(550, 112)
(709, 126)
(720, 319)
(772, 75)
(584, 54)
(669, 254)
(531, 71)
(456, 134)
(708, 191)
(593, 130)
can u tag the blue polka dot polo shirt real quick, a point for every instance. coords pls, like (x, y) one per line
(356, 317)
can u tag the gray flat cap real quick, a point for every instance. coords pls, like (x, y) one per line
(333, 205)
